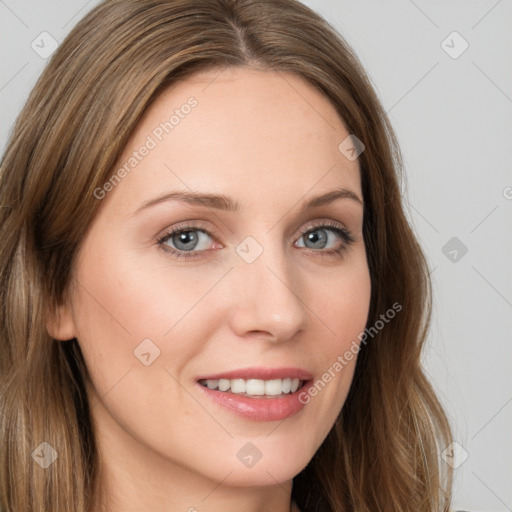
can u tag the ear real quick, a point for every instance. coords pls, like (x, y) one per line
(60, 324)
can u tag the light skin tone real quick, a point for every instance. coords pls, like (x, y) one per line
(268, 141)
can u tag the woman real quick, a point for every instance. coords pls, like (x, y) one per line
(177, 332)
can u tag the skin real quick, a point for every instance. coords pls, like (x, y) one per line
(269, 141)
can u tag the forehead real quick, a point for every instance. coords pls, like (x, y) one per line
(238, 131)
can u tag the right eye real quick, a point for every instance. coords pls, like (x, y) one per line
(186, 241)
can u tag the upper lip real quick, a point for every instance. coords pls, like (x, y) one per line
(262, 373)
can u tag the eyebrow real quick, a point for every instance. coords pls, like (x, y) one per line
(222, 202)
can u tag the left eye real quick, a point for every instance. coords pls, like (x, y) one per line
(320, 238)
(187, 240)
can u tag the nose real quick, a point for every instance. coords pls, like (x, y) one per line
(267, 302)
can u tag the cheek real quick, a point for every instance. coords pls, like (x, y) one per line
(341, 300)
(145, 297)
(122, 301)
(341, 304)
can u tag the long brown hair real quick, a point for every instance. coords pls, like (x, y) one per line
(382, 453)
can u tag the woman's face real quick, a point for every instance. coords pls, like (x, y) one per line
(263, 287)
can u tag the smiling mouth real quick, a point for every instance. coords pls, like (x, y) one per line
(255, 388)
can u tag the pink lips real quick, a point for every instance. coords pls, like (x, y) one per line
(262, 408)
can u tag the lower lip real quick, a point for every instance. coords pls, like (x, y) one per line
(258, 409)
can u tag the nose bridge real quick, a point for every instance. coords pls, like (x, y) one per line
(268, 299)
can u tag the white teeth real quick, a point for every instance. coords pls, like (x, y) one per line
(273, 387)
(254, 387)
(224, 384)
(238, 386)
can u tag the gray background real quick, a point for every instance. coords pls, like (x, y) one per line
(454, 124)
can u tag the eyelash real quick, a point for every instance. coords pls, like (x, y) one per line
(342, 232)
